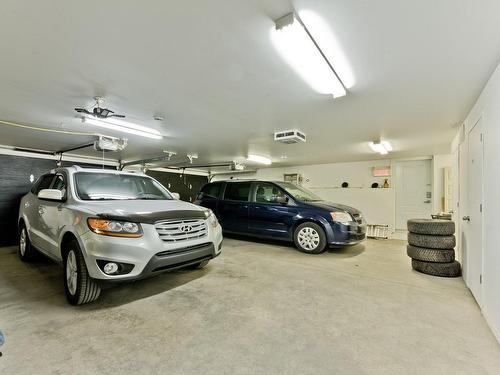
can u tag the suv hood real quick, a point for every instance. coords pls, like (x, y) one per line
(334, 207)
(145, 211)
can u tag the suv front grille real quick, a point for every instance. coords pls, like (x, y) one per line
(181, 230)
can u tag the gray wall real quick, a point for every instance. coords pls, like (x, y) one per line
(15, 172)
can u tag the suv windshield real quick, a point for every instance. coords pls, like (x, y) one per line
(109, 186)
(299, 193)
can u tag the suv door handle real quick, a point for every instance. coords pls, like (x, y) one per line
(466, 218)
(40, 210)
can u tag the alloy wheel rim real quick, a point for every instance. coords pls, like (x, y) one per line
(22, 242)
(71, 272)
(308, 238)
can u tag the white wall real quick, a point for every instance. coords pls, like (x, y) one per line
(378, 205)
(439, 162)
(487, 107)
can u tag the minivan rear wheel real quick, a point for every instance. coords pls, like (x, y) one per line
(310, 238)
(80, 288)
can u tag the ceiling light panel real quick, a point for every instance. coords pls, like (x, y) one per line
(259, 159)
(383, 148)
(296, 45)
(124, 126)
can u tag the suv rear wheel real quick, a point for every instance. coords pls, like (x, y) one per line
(310, 238)
(26, 251)
(80, 288)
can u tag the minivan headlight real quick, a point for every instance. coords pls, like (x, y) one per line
(212, 219)
(114, 228)
(341, 217)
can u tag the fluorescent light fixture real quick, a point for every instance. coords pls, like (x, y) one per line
(301, 49)
(259, 159)
(383, 148)
(387, 145)
(123, 126)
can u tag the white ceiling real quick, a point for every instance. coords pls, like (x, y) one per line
(210, 69)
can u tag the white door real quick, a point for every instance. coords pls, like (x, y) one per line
(413, 191)
(460, 249)
(473, 225)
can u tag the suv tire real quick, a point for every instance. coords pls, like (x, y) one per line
(310, 238)
(430, 226)
(198, 265)
(437, 269)
(431, 255)
(80, 288)
(26, 251)
(431, 242)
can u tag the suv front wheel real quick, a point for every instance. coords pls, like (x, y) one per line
(79, 286)
(310, 238)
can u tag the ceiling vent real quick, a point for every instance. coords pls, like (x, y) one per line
(290, 136)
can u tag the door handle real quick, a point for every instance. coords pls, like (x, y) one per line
(40, 210)
(427, 201)
(466, 218)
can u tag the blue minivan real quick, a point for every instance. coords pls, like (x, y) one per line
(282, 210)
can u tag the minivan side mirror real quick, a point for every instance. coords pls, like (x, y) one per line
(176, 196)
(51, 194)
(281, 199)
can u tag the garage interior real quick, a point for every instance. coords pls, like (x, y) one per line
(400, 123)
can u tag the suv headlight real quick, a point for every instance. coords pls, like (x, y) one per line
(114, 228)
(212, 219)
(341, 217)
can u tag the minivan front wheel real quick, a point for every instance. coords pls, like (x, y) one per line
(80, 288)
(310, 238)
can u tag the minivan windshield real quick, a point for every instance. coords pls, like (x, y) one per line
(298, 192)
(109, 186)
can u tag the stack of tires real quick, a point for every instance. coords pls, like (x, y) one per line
(431, 247)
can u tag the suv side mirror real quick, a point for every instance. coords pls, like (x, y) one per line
(51, 194)
(281, 199)
(176, 196)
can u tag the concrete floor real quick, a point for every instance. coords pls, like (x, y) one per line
(260, 308)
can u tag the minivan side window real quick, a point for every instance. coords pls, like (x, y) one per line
(45, 182)
(211, 190)
(266, 193)
(237, 191)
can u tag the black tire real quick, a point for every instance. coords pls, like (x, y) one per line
(26, 251)
(437, 269)
(313, 244)
(431, 242)
(86, 289)
(198, 265)
(430, 226)
(431, 255)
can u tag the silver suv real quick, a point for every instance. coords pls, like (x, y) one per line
(112, 226)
